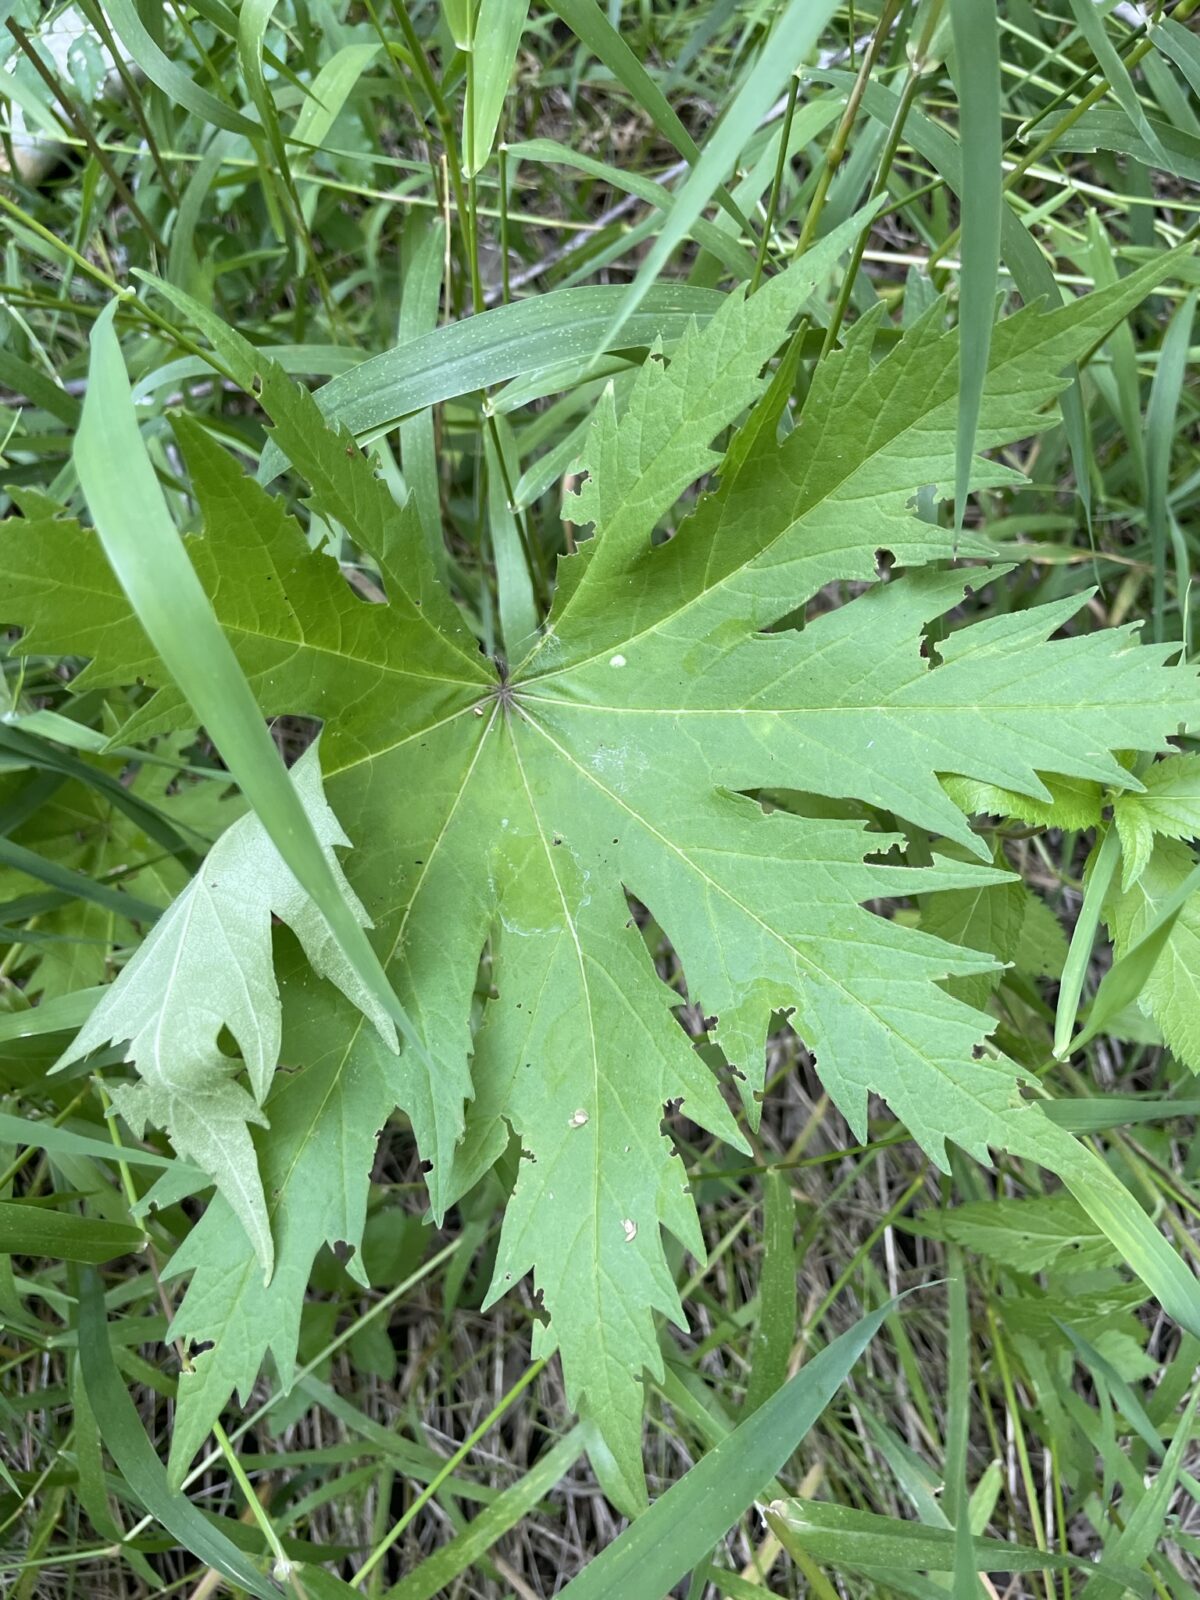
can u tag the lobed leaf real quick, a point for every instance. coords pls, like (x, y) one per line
(207, 966)
(517, 821)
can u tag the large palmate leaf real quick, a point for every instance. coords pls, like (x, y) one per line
(517, 810)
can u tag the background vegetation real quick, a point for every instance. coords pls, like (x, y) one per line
(336, 178)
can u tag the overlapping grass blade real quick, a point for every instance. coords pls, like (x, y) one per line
(680, 1528)
(977, 76)
(135, 1456)
(794, 35)
(145, 551)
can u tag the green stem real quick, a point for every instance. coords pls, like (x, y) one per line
(894, 135)
(435, 1483)
(841, 137)
(776, 185)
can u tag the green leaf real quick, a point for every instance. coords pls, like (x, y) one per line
(34, 1230)
(637, 467)
(682, 1526)
(821, 505)
(1070, 803)
(207, 966)
(137, 1461)
(510, 818)
(1171, 992)
(1168, 806)
(1027, 1236)
(325, 1112)
(990, 918)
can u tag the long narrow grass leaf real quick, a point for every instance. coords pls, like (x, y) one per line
(681, 1527)
(135, 1457)
(799, 27)
(977, 75)
(149, 560)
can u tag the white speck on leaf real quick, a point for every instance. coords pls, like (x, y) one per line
(630, 1227)
(578, 1120)
(617, 661)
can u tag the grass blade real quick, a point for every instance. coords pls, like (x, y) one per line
(169, 76)
(1084, 937)
(498, 29)
(514, 585)
(126, 1442)
(423, 254)
(64, 1014)
(439, 1570)
(481, 351)
(775, 1335)
(591, 27)
(152, 566)
(795, 34)
(1160, 436)
(33, 1230)
(330, 90)
(683, 1525)
(1126, 978)
(1121, 1218)
(977, 76)
(846, 1536)
(1144, 1524)
(21, 859)
(958, 1427)
(1090, 22)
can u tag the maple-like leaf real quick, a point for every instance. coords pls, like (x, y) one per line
(625, 756)
(1029, 1236)
(207, 965)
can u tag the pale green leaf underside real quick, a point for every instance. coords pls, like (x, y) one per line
(207, 966)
